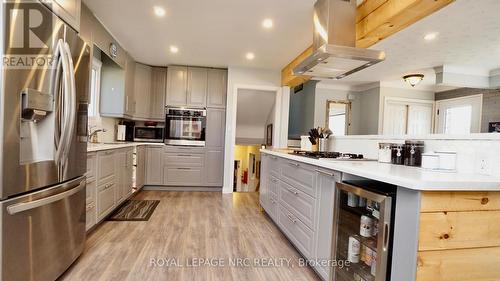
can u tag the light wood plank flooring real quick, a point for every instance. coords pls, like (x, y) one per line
(186, 226)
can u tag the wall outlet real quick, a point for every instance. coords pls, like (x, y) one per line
(483, 164)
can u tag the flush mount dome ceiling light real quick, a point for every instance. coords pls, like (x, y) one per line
(413, 79)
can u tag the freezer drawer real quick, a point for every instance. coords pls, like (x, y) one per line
(43, 232)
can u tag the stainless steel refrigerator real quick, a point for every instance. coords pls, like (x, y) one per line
(43, 142)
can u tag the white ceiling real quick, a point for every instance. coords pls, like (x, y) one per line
(254, 107)
(214, 33)
(469, 38)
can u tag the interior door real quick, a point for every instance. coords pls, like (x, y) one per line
(395, 118)
(420, 119)
(460, 116)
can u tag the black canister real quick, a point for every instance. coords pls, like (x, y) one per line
(413, 153)
(397, 153)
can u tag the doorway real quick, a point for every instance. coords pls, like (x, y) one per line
(459, 116)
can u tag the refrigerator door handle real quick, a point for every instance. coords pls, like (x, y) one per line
(71, 98)
(21, 207)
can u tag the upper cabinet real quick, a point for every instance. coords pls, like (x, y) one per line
(176, 85)
(217, 88)
(158, 91)
(129, 86)
(142, 90)
(196, 87)
(67, 10)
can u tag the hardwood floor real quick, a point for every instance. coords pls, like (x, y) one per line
(187, 227)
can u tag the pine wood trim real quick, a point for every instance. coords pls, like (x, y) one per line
(460, 201)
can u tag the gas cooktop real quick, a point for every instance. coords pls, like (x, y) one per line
(329, 155)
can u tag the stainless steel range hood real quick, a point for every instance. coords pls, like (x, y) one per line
(335, 54)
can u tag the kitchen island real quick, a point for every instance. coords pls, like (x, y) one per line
(445, 225)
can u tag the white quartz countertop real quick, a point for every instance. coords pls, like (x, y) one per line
(408, 177)
(93, 147)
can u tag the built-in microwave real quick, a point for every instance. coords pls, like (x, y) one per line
(148, 134)
(185, 126)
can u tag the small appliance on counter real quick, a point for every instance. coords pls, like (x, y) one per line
(148, 134)
(129, 130)
(121, 132)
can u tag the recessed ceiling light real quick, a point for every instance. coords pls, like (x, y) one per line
(431, 36)
(250, 56)
(174, 49)
(267, 23)
(159, 11)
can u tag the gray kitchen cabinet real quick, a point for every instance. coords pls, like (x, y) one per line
(214, 167)
(158, 92)
(129, 87)
(68, 10)
(154, 166)
(140, 169)
(217, 88)
(142, 90)
(197, 87)
(112, 94)
(326, 181)
(123, 162)
(216, 127)
(299, 198)
(183, 176)
(106, 200)
(91, 191)
(177, 77)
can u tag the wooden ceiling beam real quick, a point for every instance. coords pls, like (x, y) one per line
(376, 20)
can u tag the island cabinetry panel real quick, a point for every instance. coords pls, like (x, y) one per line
(459, 236)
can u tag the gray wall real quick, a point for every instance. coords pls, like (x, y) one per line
(365, 112)
(301, 116)
(491, 103)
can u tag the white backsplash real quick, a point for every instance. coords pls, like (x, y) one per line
(471, 153)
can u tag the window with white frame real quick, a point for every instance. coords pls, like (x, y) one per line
(95, 88)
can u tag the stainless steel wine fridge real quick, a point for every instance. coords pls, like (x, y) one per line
(363, 230)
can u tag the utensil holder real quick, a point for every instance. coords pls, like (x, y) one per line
(323, 145)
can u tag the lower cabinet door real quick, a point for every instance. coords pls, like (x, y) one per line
(179, 176)
(300, 235)
(105, 199)
(90, 216)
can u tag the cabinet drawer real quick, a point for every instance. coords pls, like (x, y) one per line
(106, 165)
(90, 215)
(184, 160)
(299, 176)
(273, 185)
(299, 203)
(183, 149)
(182, 176)
(91, 192)
(300, 235)
(105, 199)
(274, 164)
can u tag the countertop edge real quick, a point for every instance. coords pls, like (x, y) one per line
(484, 183)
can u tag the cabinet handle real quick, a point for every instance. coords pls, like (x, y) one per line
(274, 157)
(184, 155)
(293, 164)
(183, 168)
(325, 173)
(293, 191)
(386, 235)
(290, 217)
(274, 180)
